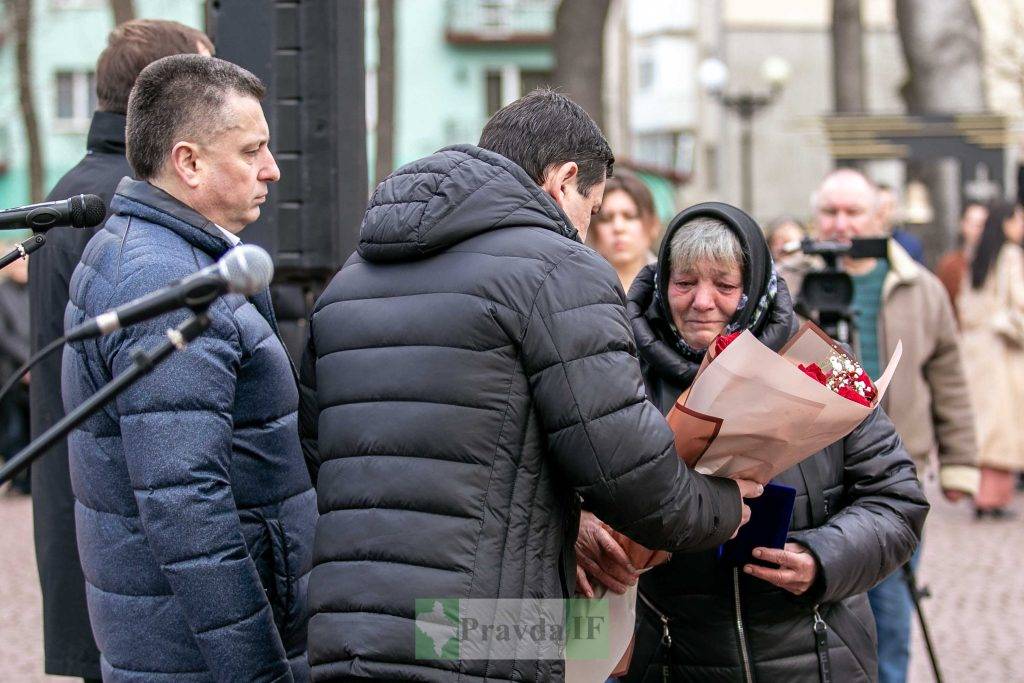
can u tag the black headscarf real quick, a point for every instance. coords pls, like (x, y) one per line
(766, 308)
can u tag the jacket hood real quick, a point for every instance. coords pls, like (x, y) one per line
(448, 197)
(659, 343)
(758, 269)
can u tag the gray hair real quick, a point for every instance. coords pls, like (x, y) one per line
(701, 240)
(180, 96)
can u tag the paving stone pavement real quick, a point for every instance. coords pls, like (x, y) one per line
(974, 571)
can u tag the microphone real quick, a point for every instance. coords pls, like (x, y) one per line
(246, 269)
(80, 211)
(22, 250)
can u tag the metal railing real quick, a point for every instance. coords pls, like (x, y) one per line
(500, 20)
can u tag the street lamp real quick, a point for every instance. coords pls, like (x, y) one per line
(713, 76)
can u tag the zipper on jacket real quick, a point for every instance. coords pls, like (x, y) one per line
(748, 675)
(821, 647)
(666, 638)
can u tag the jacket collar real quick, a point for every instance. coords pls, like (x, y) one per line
(903, 269)
(106, 133)
(146, 201)
(140, 198)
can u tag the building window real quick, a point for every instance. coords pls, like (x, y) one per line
(76, 99)
(530, 80)
(493, 92)
(665, 151)
(508, 83)
(77, 4)
(645, 74)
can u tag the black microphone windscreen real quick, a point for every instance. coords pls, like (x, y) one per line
(87, 211)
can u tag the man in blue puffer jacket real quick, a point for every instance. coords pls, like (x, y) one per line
(194, 510)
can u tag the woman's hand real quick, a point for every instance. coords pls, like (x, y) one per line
(797, 568)
(600, 557)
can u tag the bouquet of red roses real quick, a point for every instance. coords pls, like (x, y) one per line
(752, 412)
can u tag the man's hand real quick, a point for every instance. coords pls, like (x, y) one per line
(954, 496)
(748, 489)
(797, 568)
(600, 557)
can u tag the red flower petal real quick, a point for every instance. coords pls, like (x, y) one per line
(722, 342)
(847, 392)
(814, 372)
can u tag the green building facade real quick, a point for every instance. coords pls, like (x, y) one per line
(67, 38)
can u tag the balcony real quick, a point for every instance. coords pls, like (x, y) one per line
(477, 22)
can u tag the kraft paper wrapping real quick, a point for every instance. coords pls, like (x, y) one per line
(786, 416)
(750, 413)
(621, 618)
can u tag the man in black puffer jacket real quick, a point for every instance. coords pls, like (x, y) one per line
(470, 371)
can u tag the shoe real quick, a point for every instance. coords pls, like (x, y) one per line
(994, 513)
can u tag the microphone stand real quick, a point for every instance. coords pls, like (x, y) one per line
(22, 250)
(142, 362)
(916, 593)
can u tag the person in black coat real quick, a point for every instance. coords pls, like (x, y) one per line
(859, 508)
(14, 350)
(470, 378)
(70, 649)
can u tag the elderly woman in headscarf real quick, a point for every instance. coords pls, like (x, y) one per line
(802, 615)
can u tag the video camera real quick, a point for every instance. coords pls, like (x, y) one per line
(826, 295)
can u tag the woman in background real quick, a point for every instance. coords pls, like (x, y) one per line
(785, 235)
(953, 266)
(991, 307)
(626, 229)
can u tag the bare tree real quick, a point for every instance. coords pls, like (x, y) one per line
(20, 14)
(945, 66)
(1007, 57)
(847, 57)
(124, 10)
(945, 76)
(579, 53)
(385, 89)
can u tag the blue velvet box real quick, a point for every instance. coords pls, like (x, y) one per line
(771, 514)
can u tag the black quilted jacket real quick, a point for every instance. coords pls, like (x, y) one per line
(471, 375)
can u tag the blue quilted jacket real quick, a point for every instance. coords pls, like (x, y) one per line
(194, 511)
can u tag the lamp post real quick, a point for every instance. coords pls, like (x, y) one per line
(713, 76)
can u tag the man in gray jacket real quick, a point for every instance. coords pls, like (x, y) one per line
(471, 377)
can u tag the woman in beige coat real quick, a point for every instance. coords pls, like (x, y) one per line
(626, 229)
(991, 306)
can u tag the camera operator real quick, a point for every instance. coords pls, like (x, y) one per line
(896, 299)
